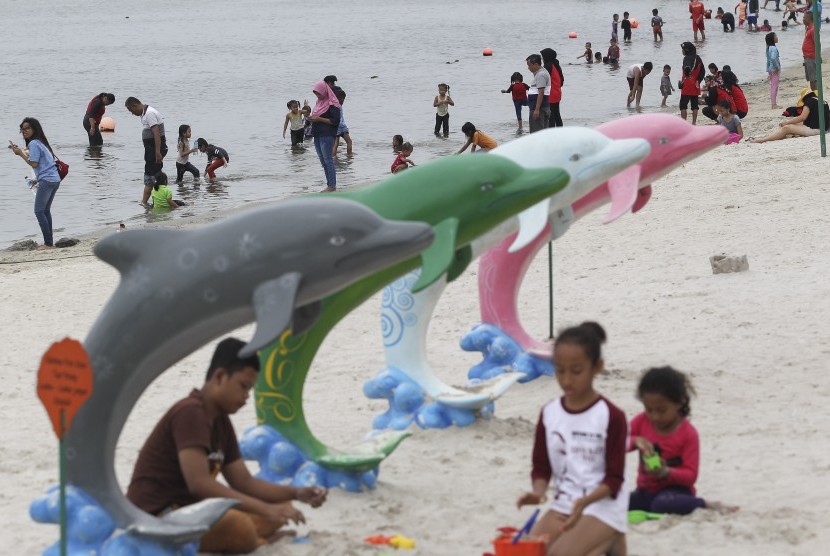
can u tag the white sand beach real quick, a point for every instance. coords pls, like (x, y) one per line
(754, 344)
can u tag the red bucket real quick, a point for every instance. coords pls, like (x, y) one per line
(505, 547)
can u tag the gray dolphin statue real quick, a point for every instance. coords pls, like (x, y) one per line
(181, 289)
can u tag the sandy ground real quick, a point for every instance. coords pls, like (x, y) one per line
(754, 344)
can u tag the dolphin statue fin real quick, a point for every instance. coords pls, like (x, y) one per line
(305, 317)
(187, 523)
(274, 306)
(463, 258)
(623, 191)
(531, 223)
(642, 198)
(438, 257)
(560, 221)
(121, 250)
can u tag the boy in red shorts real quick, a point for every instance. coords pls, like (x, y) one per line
(697, 10)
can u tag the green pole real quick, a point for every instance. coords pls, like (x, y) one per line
(550, 290)
(62, 475)
(819, 86)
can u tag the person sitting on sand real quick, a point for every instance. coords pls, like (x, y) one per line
(804, 125)
(669, 447)
(195, 441)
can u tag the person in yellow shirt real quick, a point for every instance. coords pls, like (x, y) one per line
(477, 138)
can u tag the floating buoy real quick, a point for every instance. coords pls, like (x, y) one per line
(634, 23)
(572, 35)
(487, 52)
(107, 124)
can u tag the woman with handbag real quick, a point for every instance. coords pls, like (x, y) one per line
(324, 121)
(38, 154)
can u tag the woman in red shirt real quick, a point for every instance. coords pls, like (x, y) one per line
(92, 118)
(557, 79)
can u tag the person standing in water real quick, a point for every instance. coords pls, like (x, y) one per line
(92, 117)
(155, 143)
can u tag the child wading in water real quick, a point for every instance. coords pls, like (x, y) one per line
(217, 156)
(477, 138)
(342, 128)
(183, 159)
(397, 143)
(588, 54)
(656, 25)
(442, 104)
(580, 443)
(296, 119)
(666, 483)
(402, 161)
(666, 87)
(161, 194)
(518, 90)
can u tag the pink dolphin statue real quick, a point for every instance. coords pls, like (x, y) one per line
(673, 143)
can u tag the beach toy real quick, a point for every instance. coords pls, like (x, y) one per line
(271, 265)
(634, 23)
(107, 124)
(572, 35)
(395, 541)
(526, 528)
(506, 547)
(673, 142)
(652, 462)
(485, 191)
(487, 52)
(639, 516)
(587, 155)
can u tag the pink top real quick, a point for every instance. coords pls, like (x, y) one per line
(680, 450)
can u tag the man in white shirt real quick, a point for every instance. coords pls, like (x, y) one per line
(537, 96)
(155, 143)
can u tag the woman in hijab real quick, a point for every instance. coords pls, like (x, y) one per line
(557, 79)
(324, 121)
(692, 60)
(730, 83)
(692, 71)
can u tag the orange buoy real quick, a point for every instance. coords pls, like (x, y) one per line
(107, 124)
(487, 52)
(634, 23)
(572, 35)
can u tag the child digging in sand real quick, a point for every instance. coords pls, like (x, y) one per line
(669, 447)
(580, 443)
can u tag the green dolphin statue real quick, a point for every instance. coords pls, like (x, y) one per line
(462, 197)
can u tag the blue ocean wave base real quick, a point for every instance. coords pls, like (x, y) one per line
(90, 528)
(501, 354)
(408, 404)
(281, 462)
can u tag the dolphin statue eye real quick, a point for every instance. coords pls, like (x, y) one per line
(664, 140)
(575, 157)
(486, 186)
(337, 240)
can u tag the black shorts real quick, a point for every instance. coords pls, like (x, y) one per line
(684, 102)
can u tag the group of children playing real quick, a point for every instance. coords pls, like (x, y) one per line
(581, 440)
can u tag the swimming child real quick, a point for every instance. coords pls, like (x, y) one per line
(397, 143)
(402, 161)
(614, 22)
(442, 104)
(588, 54)
(342, 128)
(784, 25)
(217, 156)
(666, 484)
(518, 90)
(766, 26)
(656, 24)
(183, 159)
(625, 25)
(613, 56)
(296, 119)
(730, 121)
(161, 194)
(580, 443)
(666, 87)
(476, 138)
(740, 9)
(597, 57)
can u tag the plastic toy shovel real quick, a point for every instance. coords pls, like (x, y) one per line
(639, 516)
(527, 527)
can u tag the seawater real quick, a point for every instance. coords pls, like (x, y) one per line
(228, 69)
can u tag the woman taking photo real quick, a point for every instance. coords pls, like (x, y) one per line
(38, 154)
(324, 121)
(92, 118)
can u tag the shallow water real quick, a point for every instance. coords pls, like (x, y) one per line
(229, 70)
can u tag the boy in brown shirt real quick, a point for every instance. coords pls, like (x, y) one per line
(195, 441)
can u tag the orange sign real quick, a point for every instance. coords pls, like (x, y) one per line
(64, 381)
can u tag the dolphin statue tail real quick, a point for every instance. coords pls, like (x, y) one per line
(185, 524)
(364, 456)
(122, 250)
(642, 198)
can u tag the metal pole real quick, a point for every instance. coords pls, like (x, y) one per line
(550, 290)
(819, 86)
(62, 480)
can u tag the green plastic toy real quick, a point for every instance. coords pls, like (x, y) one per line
(653, 462)
(462, 198)
(639, 516)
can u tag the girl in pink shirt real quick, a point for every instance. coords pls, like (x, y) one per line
(669, 446)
